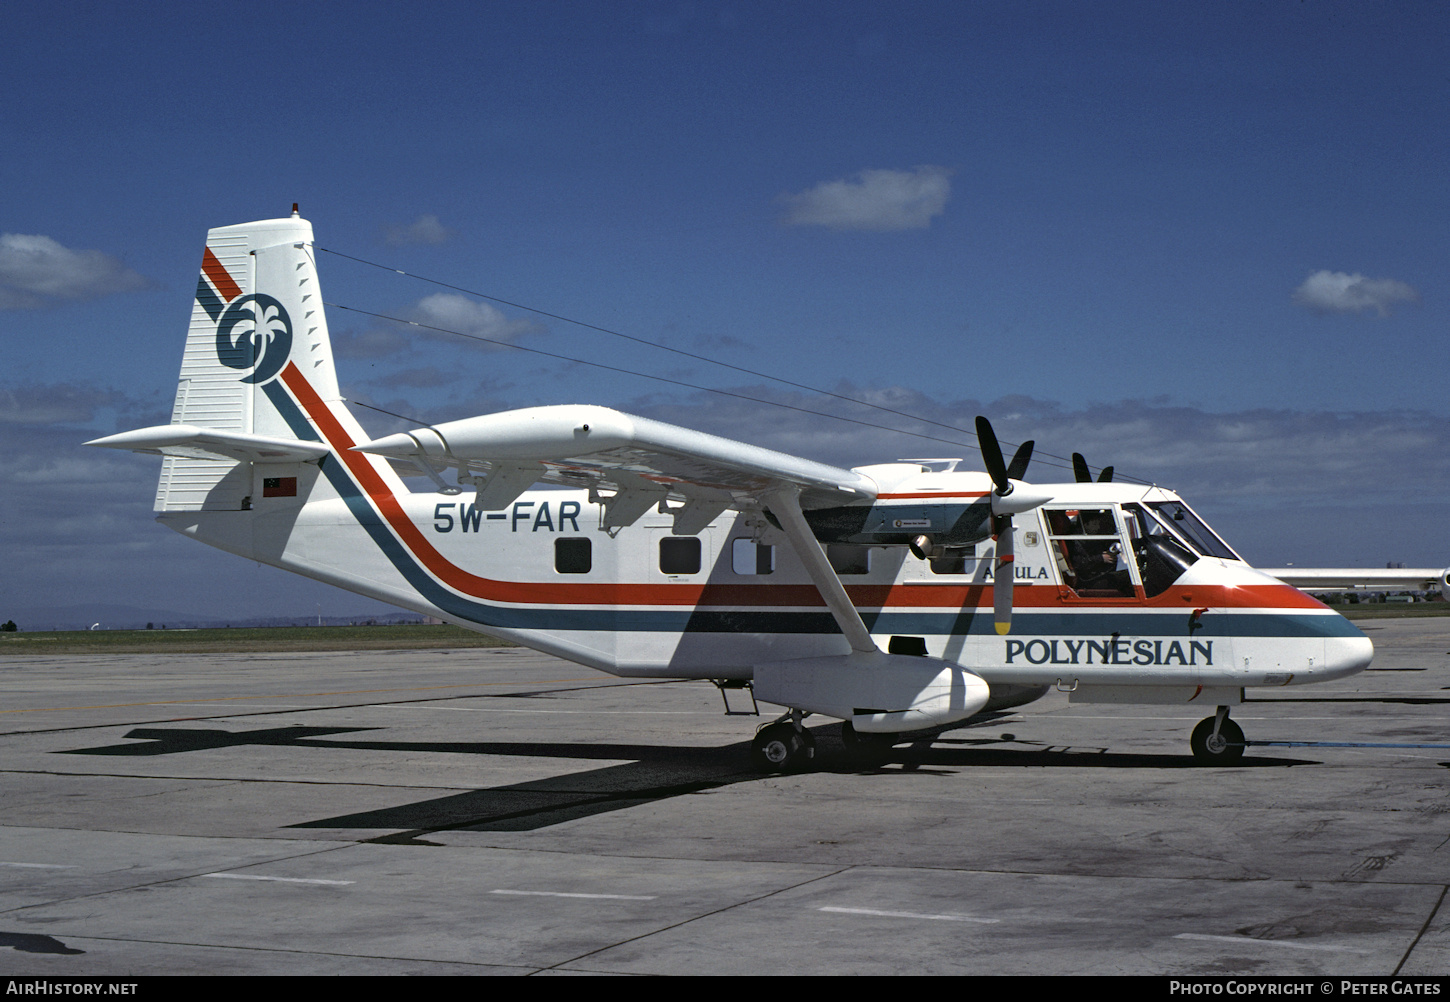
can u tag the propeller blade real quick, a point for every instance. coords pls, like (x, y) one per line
(992, 456)
(1003, 574)
(1017, 469)
(1080, 469)
(1106, 476)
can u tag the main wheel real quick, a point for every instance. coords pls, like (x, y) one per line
(781, 748)
(1224, 748)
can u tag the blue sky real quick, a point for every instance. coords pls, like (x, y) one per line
(1203, 242)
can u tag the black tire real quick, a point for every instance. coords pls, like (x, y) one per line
(1226, 749)
(781, 748)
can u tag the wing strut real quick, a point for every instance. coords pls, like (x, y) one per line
(786, 506)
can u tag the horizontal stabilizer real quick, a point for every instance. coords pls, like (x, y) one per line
(204, 443)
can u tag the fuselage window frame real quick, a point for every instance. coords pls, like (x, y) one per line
(849, 558)
(1077, 551)
(573, 555)
(680, 556)
(749, 558)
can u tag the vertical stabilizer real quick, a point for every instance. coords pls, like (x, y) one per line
(258, 308)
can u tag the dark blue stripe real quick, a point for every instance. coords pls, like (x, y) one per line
(209, 300)
(963, 622)
(609, 620)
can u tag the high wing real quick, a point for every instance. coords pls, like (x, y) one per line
(1332, 578)
(641, 461)
(644, 462)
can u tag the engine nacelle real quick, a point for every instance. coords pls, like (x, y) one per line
(879, 693)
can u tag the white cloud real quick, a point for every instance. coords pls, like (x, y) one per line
(467, 316)
(426, 229)
(36, 271)
(877, 200)
(1327, 292)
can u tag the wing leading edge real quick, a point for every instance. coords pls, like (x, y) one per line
(645, 463)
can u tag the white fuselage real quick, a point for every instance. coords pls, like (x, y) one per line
(645, 602)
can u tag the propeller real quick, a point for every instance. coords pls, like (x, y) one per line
(1017, 469)
(1083, 475)
(1002, 475)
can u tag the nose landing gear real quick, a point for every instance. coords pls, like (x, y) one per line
(1217, 740)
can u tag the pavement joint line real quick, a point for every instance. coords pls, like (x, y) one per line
(285, 695)
(703, 915)
(303, 953)
(171, 880)
(291, 709)
(236, 779)
(1423, 929)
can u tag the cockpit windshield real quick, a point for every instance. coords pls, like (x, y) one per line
(1192, 529)
(1162, 540)
(1167, 539)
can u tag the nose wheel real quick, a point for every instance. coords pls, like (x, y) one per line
(1217, 740)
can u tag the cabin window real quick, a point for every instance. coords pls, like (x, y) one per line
(747, 557)
(847, 558)
(573, 555)
(954, 560)
(680, 555)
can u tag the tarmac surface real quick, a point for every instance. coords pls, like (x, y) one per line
(501, 812)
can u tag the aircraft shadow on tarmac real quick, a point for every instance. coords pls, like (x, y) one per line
(648, 773)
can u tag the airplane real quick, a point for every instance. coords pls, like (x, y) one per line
(900, 598)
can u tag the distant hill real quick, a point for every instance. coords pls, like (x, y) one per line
(130, 617)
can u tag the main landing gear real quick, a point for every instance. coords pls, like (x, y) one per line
(1217, 740)
(783, 746)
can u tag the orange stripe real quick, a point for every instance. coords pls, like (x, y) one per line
(538, 592)
(872, 596)
(219, 278)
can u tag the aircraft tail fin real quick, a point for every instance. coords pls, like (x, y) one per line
(257, 346)
(257, 307)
